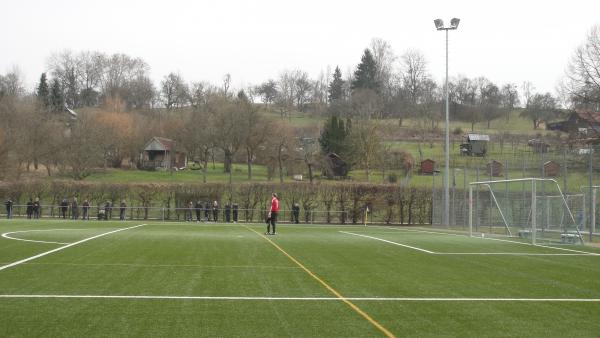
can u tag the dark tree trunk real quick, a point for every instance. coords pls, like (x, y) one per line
(227, 162)
(249, 162)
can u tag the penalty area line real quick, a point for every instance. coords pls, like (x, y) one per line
(250, 298)
(390, 242)
(577, 253)
(65, 246)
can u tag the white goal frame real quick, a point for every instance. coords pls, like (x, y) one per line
(590, 203)
(533, 213)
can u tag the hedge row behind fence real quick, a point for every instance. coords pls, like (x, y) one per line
(319, 203)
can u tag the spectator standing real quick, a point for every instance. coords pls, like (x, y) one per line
(235, 212)
(207, 211)
(296, 212)
(122, 208)
(273, 212)
(198, 210)
(29, 209)
(64, 207)
(188, 211)
(9, 208)
(107, 210)
(228, 212)
(86, 210)
(74, 208)
(215, 210)
(37, 208)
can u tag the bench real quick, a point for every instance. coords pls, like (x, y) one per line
(525, 233)
(571, 238)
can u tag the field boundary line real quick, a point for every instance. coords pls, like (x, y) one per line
(390, 242)
(65, 246)
(584, 253)
(328, 287)
(362, 299)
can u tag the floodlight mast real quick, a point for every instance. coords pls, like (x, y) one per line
(439, 25)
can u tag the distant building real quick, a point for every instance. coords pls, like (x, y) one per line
(427, 167)
(161, 153)
(494, 168)
(579, 123)
(538, 146)
(475, 145)
(551, 169)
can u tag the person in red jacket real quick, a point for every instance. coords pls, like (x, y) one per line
(273, 214)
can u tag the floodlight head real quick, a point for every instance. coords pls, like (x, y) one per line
(439, 24)
(454, 23)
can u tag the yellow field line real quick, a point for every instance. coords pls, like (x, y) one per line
(327, 286)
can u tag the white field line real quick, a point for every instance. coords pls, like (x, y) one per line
(64, 247)
(195, 266)
(581, 253)
(6, 235)
(511, 254)
(372, 299)
(472, 253)
(390, 242)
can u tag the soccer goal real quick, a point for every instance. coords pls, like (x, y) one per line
(533, 209)
(590, 208)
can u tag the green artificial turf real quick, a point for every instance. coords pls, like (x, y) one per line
(235, 260)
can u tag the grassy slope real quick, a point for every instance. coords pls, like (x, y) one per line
(240, 174)
(210, 260)
(516, 125)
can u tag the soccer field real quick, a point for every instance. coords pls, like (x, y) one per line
(74, 278)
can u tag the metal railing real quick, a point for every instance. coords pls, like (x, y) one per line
(101, 212)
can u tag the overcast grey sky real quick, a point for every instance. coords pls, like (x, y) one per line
(506, 41)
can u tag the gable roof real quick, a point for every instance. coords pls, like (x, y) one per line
(159, 143)
(478, 137)
(589, 116)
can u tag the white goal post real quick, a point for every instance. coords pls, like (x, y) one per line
(534, 209)
(589, 206)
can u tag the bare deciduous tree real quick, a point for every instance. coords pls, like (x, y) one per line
(582, 81)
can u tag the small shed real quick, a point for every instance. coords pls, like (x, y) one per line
(538, 146)
(427, 167)
(494, 168)
(161, 153)
(551, 169)
(474, 145)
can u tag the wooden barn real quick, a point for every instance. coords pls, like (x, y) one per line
(494, 168)
(427, 167)
(579, 122)
(551, 169)
(161, 153)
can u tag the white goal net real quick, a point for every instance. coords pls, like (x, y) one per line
(533, 209)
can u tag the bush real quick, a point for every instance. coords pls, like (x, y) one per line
(457, 131)
(392, 178)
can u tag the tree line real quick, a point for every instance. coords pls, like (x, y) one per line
(126, 109)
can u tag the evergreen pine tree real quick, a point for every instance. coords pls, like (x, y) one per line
(335, 90)
(43, 92)
(56, 97)
(333, 137)
(365, 76)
